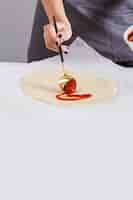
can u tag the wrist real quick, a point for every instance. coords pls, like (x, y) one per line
(58, 18)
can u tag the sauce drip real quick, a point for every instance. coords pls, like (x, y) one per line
(73, 97)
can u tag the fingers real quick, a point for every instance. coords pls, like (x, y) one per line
(53, 40)
(55, 48)
(65, 49)
(64, 35)
(49, 34)
(50, 37)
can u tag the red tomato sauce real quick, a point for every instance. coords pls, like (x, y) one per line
(130, 37)
(73, 97)
(69, 92)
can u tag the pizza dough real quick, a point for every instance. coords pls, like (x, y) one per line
(43, 86)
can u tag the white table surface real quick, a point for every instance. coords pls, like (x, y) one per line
(47, 152)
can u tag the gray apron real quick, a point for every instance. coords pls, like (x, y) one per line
(100, 23)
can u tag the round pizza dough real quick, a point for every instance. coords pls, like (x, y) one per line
(42, 85)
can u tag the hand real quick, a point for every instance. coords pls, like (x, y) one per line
(53, 40)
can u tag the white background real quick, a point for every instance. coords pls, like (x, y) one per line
(51, 153)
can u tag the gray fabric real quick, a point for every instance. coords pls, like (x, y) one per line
(114, 17)
(103, 6)
(98, 28)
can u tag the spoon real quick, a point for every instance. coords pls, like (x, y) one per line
(67, 82)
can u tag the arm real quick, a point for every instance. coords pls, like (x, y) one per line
(52, 40)
(54, 8)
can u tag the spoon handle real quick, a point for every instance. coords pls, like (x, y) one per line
(60, 47)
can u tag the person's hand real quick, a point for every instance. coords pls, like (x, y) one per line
(53, 40)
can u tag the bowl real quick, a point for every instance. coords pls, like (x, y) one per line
(126, 37)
